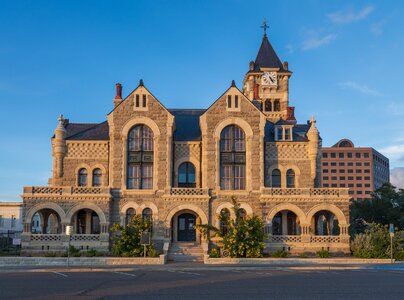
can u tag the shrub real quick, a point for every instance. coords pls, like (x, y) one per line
(280, 254)
(92, 253)
(74, 252)
(151, 251)
(49, 254)
(126, 241)
(214, 253)
(375, 243)
(244, 235)
(323, 253)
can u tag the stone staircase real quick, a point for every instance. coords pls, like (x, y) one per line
(185, 252)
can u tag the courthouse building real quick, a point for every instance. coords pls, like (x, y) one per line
(181, 167)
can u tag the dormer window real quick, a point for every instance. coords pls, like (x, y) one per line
(283, 133)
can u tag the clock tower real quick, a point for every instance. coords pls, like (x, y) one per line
(266, 83)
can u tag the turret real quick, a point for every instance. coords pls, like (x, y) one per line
(59, 148)
(313, 136)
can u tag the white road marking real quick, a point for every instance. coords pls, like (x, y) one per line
(127, 274)
(61, 274)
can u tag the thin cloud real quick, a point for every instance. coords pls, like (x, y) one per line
(394, 152)
(377, 28)
(361, 88)
(395, 108)
(349, 15)
(316, 42)
(397, 177)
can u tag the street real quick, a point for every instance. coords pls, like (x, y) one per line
(203, 283)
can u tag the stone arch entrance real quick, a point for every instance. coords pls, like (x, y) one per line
(46, 221)
(181, 222)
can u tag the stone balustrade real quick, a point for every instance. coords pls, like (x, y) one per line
(305, 192)
(189, 192)
(55, 190)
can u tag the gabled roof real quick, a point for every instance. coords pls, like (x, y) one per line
(187, 124)
(267, 57)
(80, 131)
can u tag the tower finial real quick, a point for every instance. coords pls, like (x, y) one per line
(265, 26)
(61, 120)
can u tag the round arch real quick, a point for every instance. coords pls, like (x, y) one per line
(191, 207)
(85, 205)
(137, 121)
(329, 207)
(89, 173)
(287, 206)
(192, 160)
(48, 205)
(297, 173)
(130, 204)
(124, 135)
(104, 174)
(152, 206)
(269, 174)
(247, 209)
(233, 121)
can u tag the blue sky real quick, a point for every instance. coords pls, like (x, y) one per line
(66, 56)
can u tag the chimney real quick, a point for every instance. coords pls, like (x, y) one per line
(233, 83)
(256, 91)
(251, 66)
(290, 114)
(286, 66)
(118, 96)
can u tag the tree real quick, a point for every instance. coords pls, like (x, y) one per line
(386, 206)
(127, 239)
(242, 237)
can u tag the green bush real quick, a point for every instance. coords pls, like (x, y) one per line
(151, 251)
(74, 252)
(92, 253)
(323, 253)
(375, 243)
(244, 235)
(280, 254)
(126, 242)
(50, 254)
(214, 253)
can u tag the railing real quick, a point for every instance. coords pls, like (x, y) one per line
(285, 238)
(46, 237)
(325, 239)
(60, 237)
(304, 192)
(85, 237)
(50, 190)
(189, 192)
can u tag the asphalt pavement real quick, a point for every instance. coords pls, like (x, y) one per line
(205, 282)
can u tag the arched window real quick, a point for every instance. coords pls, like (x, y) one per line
(277, 105)
(232, 158)
(97, 177)
(130, 213)
(82, 177)
(276, 178)
(268, 105)
(147, 214)
(224, 214)
(140, 158)
(290, 179)
(242, 213)
(186, 175)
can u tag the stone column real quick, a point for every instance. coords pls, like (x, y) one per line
(59, 148)
(284, 222)
(313, 137)
(88, 222)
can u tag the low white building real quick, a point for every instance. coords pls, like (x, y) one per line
(10, 217)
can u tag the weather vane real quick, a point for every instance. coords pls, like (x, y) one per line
(265, 26)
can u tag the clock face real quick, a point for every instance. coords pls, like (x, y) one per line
(269, 78)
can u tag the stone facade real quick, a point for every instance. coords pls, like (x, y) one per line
(180, 173)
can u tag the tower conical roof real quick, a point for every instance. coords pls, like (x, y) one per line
(267, 57)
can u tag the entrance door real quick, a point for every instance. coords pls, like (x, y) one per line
(186, 228)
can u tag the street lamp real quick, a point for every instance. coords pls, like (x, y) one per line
(69, 230)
